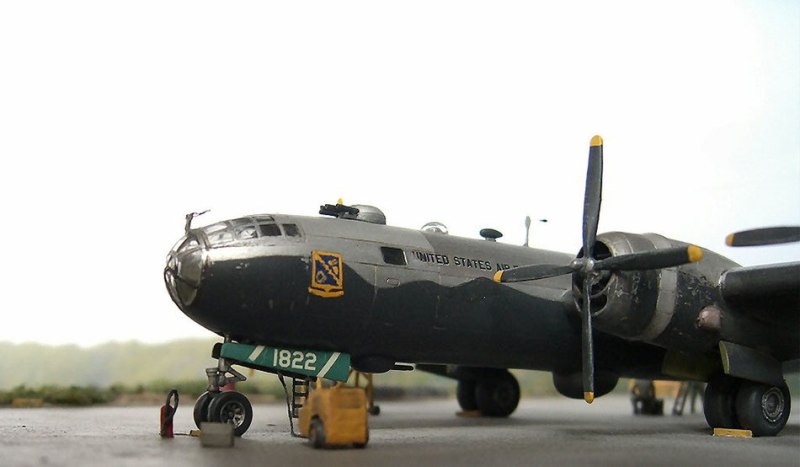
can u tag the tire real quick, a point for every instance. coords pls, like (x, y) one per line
(316, 434)
(497, 395)
(763, 408)
(201, 408)
(466, 396)
(231, 407)
(719, 405)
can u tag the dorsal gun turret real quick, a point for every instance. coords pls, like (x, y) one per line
(357, 212)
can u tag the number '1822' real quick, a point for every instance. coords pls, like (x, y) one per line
(294, 360)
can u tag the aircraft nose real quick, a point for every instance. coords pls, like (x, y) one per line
(184, 271)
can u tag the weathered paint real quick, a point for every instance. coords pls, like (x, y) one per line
(440, 304)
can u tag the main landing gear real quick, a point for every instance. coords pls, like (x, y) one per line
(494, 393)
(220, 406)
(737, 403)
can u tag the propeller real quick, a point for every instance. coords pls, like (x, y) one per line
(765, 236)
(590, 269)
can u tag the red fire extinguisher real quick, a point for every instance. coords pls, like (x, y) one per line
(167, 413)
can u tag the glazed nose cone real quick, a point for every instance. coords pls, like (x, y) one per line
(183, 273)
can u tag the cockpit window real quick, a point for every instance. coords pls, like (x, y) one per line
(186, 243)
(211, 229)
(218, 233)
(220, 237)
(245, 228)
(291, 230)
(246, 232)
(241, 221)
(269, 230)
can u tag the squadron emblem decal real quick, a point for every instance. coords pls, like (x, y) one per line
(327, 274)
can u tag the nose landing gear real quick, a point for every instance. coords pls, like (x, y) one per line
(220, 406)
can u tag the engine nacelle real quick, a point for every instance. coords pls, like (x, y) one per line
(661, 306)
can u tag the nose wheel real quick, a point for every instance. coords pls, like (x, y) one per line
(220, 406)
(201, 408)
(224, 407)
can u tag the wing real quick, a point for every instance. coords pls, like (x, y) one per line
(770, 293)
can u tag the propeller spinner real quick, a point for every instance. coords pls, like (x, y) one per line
(589, 269)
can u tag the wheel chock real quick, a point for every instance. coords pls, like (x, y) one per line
(732, 433)
(469, 414)
(216, 435)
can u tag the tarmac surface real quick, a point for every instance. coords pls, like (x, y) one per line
(553, 431)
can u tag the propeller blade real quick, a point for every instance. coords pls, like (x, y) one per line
(531, 273)
(587, 350)
(592, 196)
(591, 219)
(654, 259)
(765, 236)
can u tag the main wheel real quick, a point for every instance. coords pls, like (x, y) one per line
(763, 408)
(316, 434)
(465, 394)
(201, 408)
(497, 395)
(231, 407)
(719, 405)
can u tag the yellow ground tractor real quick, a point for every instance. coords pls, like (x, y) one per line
(335, 417)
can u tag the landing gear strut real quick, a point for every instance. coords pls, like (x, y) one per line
(734, 403)
(216, 405)
(494, 393)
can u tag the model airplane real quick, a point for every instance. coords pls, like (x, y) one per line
(311, 297)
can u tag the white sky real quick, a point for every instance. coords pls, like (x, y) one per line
(117, 118)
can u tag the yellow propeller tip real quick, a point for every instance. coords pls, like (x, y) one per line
(340, 201)
(729, 239)
(588, 397)
(597, 140)
(498, 276)
(695, 253)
